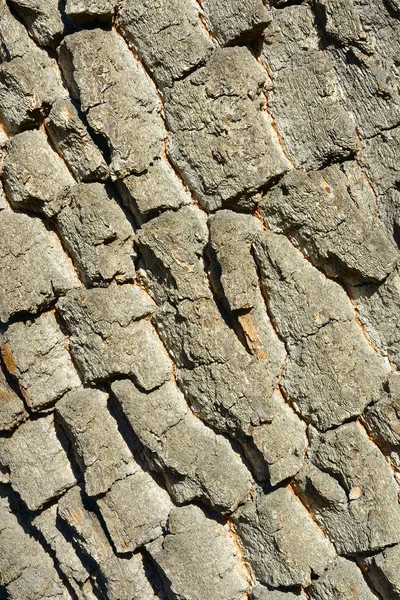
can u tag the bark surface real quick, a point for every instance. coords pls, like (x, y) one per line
(199, 300)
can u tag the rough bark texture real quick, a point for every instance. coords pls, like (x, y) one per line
(199, 300)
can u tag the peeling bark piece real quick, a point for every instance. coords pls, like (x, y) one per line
(118, 97)
(281, 442)
(316, 128)
(12, 409)
(66, 557)
(72, 140)
(300, 299)
(97, 234)
(378, 309)
(154, 191)
(167, 36)
(135, 511)
(35, 175)
(259, 335)
(351, 491)
(275, 530)
(85, 11)
(33, 266)
(85, 527)
(197, 462)
(98, 446)
(110, 336)
(233, 22)
(26, 569)
(259, 592)
(316, 209)
(219, 574)
(42, 18)
(218, 123)
(116, 578)
(29, 84)
(332, 371)
(383, 572)
(230, 395)
(36, 353)
(197, 334)
(172, 245)
(40, 470)
(340, 582)
(231, 236)
(383, 420)
(14, 39)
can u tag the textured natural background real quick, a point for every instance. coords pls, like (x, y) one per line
(199, 300)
